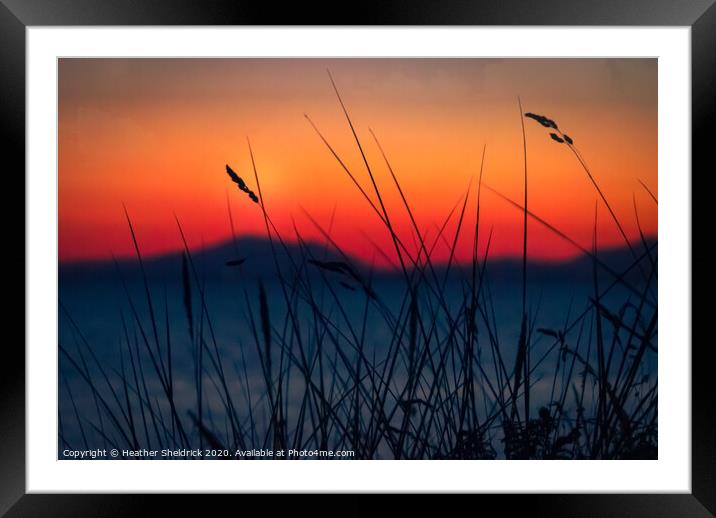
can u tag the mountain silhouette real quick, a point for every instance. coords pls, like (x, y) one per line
(253, 257)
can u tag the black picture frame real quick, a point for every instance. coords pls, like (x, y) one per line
(17, 15)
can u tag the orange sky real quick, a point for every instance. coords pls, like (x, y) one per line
(155, 135)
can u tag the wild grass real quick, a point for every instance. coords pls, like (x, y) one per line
(438, 384)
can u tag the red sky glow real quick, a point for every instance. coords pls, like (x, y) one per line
(154, 135)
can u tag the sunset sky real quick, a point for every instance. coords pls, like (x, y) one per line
(155, 135)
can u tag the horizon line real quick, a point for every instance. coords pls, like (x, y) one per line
(353, 257)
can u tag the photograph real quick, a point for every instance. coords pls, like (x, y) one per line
(357, 258)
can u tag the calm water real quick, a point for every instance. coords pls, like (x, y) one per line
(99, 309)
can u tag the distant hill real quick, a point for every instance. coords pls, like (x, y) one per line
(257, 260)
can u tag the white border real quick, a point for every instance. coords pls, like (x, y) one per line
(671, 473)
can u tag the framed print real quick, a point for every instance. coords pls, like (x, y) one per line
(416, 253)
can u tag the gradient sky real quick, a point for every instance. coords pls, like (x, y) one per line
(155, 134)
